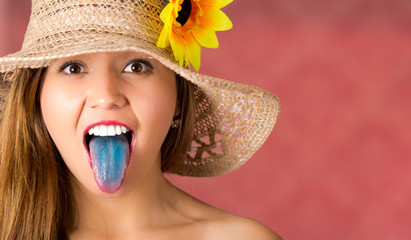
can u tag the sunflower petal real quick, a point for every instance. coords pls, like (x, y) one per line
(215, 19)
(167, 19)
(206, 37)
(194, 51)
(163, 40)
(177, 7)
(186, 41)
(215, 3)
(165, 15)
(178, 47)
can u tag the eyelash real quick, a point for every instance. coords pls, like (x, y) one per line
(67, 64)
(146, 63)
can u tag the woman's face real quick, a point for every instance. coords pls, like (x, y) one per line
(89, 101)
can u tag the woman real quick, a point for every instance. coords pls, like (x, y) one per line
(102, 103)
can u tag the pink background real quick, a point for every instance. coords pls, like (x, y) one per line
(337, 165)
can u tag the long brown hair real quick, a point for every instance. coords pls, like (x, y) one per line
(178, 140)
(36, 198)
(34, 187)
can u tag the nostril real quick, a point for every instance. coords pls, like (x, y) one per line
(106, 102)
(106, 95)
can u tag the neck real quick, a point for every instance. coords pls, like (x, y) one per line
(140, 207)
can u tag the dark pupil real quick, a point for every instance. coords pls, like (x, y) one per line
(136, 67)
(75, 68)
(185, 12)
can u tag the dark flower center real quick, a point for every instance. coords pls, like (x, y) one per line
(184, 13)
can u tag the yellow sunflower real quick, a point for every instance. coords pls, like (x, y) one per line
(190, 24)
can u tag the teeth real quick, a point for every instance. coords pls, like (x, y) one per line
(110, 130)
(118, 130)
(103, 131)
(91, 131)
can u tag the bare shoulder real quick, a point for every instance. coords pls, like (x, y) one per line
(234, 227)
(207, 222)
(251, 229)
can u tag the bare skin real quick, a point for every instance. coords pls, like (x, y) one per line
(164, 212)
(134, 89)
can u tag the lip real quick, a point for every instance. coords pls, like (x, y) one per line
(107, 123)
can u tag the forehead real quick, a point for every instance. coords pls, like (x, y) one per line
(106, 56)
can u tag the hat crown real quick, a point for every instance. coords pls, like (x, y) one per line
(231, 120)
(54, 21)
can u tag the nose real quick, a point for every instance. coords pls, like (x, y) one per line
(105, 92)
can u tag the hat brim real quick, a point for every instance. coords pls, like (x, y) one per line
(232, 122)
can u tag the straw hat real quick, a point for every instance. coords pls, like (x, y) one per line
(232, 120)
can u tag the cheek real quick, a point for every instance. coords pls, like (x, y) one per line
(164, 105)
(157, 114)
(58, 110)
(60, 113)
(155, 110)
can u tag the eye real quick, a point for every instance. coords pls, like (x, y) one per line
(71, 68)
(138, 66)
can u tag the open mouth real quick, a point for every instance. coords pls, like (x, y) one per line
(109, 148)
(105, 131)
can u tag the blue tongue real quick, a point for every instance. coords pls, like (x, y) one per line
(109, 156)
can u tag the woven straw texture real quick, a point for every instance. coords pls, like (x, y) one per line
(232, 120)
